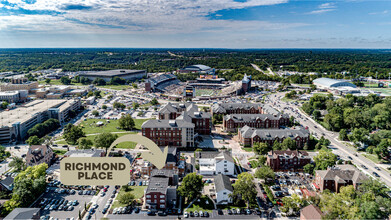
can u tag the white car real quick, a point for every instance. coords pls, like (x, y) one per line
(186, 215)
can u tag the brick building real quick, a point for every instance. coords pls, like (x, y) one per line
(248, 136)
(189, 112)
(176, 133)
(242, 108)
(235, 121)
(173, 162)
(38, 154)
(287, 160)
(161, 190)
(335, 177)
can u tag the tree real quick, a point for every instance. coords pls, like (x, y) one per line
(85, 143)
(104, 106)
(126, 123)
(47, 81)
(126, 198)
(309, 168)
(154, 102)
(262, 160)
(135, 105)
(117, 81)
(65, 80)
(324, 159)
(244, 188)
(97, 94)
(4, 105)
(104, 140)
(95, 113)
(382, 149)
(99, 82)
(276, 145)
(290, 207)
(191, 186)
(316, 114)
(118, 105)
(288, 143)
(260, 148)
(134, 85)
(72, 133)
(34, 140)
(17, 163)
(265, 173)
(343, 135)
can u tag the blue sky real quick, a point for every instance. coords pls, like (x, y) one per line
(195, 23)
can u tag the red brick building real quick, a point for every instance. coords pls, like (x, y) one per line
(173, 133)
(248, 136)
(287, 160)
(336, 177)
(234, 121)
(188, 111)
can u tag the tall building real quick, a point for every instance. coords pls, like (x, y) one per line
(176, 133)
(189, 112)
(246, 83)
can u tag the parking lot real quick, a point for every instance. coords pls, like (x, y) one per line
(65, 197)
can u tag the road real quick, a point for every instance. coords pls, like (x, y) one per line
(336, 145)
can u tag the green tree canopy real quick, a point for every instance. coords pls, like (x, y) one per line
(191, 186)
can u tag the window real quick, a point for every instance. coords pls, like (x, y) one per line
(162, 196)
(162, 206)
(154, 196)
(148, 196)
(224, 193)
(162, 201)
(148, 201)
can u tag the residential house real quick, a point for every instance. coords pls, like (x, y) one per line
(38, 154)
(173, 162)
(335, 177)
(287, 159)
(223, 189)
(7, 184)
(310, 212)
(215, 162)
(160, 194)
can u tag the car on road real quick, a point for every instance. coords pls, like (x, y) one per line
(376, 174)
(350, 158)
(377, 168)
(363, 166)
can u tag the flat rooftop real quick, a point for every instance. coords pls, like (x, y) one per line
(25, 112)
(111, 73)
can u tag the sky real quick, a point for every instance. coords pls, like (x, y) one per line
(195, 24)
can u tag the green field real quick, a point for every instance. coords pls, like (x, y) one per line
(59, 152)
(89, 126)
(248, 149)
(210, 92)
(114, 87)
(137, 191)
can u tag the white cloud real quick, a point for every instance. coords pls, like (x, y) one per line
(379, 12)
(323, 8)
(123, 16)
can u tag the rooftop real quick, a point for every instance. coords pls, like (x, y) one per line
(84, 153)
(112, 73)
(157, 184)
(223, 182)
(24, 113)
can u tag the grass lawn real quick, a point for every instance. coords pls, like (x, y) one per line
(137, 191)
(58, 82)
(371, 157)
(248, 149)
(89, 126)
(123, 145)
(59, 152)
(285, 99)
(304, 85)
(115, 87)
(201, 205)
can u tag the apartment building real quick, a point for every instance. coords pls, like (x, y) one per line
(38, 154)
(176, 133)
(287, 160)
(232, 122)
(248, 136)
(189, 112)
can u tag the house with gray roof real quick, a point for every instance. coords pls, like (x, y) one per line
(234, 121)
(38, 154)
(24, 213)
(335, 177)
(223, 189)
(159, 194)
(248, 136)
